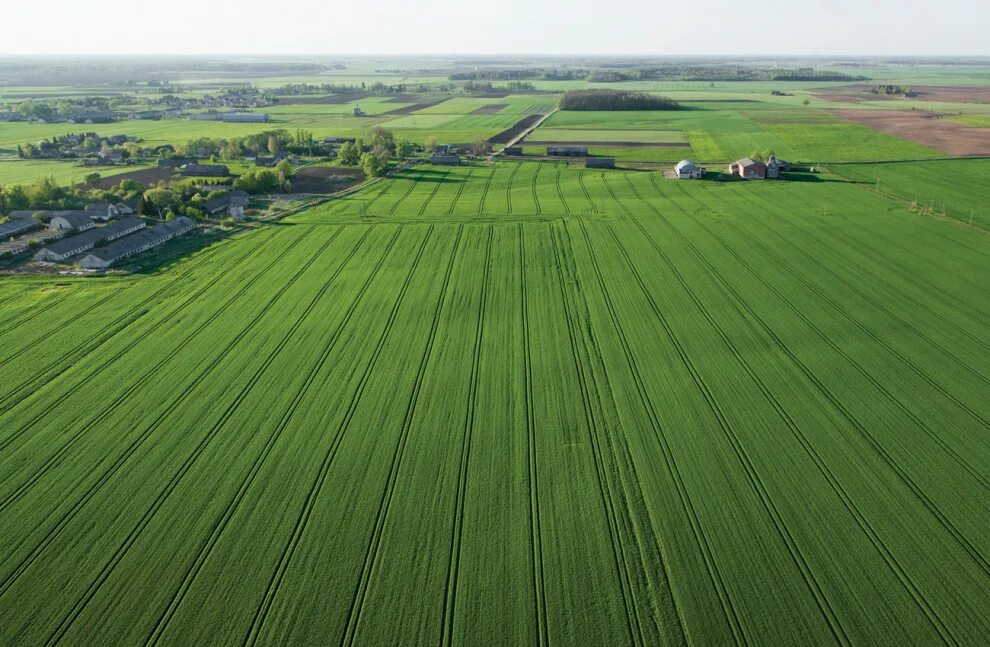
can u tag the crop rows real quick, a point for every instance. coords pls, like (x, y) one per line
(514, 403)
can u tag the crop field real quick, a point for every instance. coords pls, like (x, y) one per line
(27, 171)
(505, 404)
(957, 187)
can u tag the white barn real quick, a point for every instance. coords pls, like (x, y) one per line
(688, 170)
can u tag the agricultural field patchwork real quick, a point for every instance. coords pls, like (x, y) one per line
(514, 403)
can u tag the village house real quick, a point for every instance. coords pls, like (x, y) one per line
(688, 170)
(71, 220)
(748, 169)
(512, 150)
(232, 205)
(103, 211)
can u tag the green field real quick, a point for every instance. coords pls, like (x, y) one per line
(27, 171)
(956, 187)
(519, 404)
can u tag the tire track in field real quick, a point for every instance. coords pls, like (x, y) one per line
(560, 193)
(739, 305)
(879, 306)
(878, 384)
(224, 520)
(192, 458)
(752, 474)
(33, 312)
(873, 336)
(402, 198)
(95, 341)
(484, 192)
(536, 197)
(934, 291)
(535, 527)
(367, 205)
(633, 622)
(508, 188)
(122, 459)
(385, 504)
(108, 360)
(433, 193)
(587, 195)
(637, 494)
(460, 191)
(264, 607)
(877, 446)
(457, 528)
(793, 548)
(701, 539)
(14, 351)
(890, 286)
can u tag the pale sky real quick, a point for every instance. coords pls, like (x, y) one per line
(634, 27)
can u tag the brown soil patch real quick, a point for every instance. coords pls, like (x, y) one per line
(334, 99)
(947, 94)
(403, 98)
(490, 109)
(405, 110)
(609, 144)
(314, 179)
(146, 177)
(924, 128)
(509, 134)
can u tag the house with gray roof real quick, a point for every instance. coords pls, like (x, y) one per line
(104, 257)
(76, 220)
(65, 248)
(18, 224)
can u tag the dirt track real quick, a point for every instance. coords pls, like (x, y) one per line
(591, 144)
(327, 100)
(924, 128)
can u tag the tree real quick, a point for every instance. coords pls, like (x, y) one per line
(404, 148)
(45, 192)
(381, 137)
(430, 144)
(92, 179)
(373, 165)
(159, 200)
(274, 144)
(15, 197)
(349, 154)
(131, 186)
(806, 102)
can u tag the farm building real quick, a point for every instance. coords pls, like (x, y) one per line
(77, 220)
(118, 250)
(67, 247)
(208, 170)
(448, 159)
(599, 162)
(512, 150)
(18, 224)
(127, 207)
(688, 170)
(230, 205)
(567, 151)
(176, 162)
(339, 140)
(775, 167)
(748, 169)
(103, 211)
(246, 117)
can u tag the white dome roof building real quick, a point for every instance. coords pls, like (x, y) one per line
(688, 170)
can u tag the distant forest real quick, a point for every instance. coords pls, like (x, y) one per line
(615, 100)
